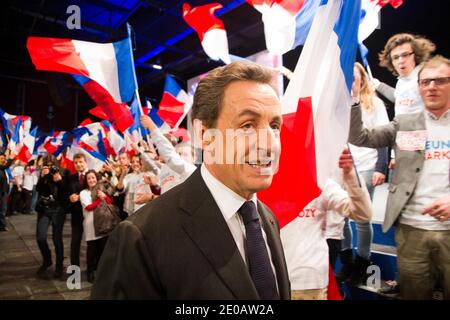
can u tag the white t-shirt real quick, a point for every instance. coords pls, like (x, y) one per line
(335, 223)
(17, 173)
(407, 97)
(88, 221)
(176, 170)
(366, 158)
(433, 182)
(30, 179)
(304, 240)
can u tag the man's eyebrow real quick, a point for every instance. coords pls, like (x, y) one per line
(278, 119)
(249, 112)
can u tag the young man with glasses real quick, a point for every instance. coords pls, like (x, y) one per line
(419, 194)
(402, 55)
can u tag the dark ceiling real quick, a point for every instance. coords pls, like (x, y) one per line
(160, 34)
(160, 37)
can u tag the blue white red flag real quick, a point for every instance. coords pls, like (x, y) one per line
(26, 151)
(370, 15)
(286, 22)
(111, 65)
(174, 104)
(209, 28)
(105, 70)
(316, 111)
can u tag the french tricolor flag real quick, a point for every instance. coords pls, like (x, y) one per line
(98, 112)
(136, 130)
(278, 17)
(153, 114)
(107, 108)
(104, 70)
(16, 136)
(370, 10)
(316, 111)
(94, 159)
(89, 139)
(210, 30)
(114, 142)
(286, 22)
(26, 151)
(111, 65)
(9, 122)
(174, 105)
(55, 142)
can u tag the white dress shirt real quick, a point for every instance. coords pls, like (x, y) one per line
(229, 203)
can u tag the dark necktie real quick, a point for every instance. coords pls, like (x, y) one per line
(258, 257)
(81, 179)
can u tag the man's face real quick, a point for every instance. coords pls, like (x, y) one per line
(2, 160)
(435, 97)
(80, 164)
(403, 59)
(250, 156)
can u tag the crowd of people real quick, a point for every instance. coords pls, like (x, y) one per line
(198, 231)
(125, 184)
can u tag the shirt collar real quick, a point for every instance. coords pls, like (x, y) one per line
(228, 201)
(431, 116)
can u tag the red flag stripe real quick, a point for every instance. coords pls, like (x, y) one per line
(118, 113)
(297, 166)
(56, 55)
(202, 18)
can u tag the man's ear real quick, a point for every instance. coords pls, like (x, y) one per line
(201, 139)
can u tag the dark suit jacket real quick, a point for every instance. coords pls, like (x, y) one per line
(180, 247)
(4, 186)
(75, 187)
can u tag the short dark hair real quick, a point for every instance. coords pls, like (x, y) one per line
(208, 97)
(436, 61)
(49, 158)
(79, 156)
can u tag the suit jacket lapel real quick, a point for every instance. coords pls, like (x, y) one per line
(206, 227)
(270, 227)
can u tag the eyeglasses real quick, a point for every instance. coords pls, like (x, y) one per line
(437, 81)
(402, 55)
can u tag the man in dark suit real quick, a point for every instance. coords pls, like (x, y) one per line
(4, 188)
(209, 237)
(76, 182)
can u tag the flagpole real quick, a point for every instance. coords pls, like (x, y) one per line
(136, 92)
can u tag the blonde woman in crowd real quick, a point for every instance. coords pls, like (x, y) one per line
(372, 166)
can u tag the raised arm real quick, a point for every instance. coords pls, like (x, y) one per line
(166, 149)
(356, 204)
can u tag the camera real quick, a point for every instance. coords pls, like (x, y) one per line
(46, 202)
(53, 170)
